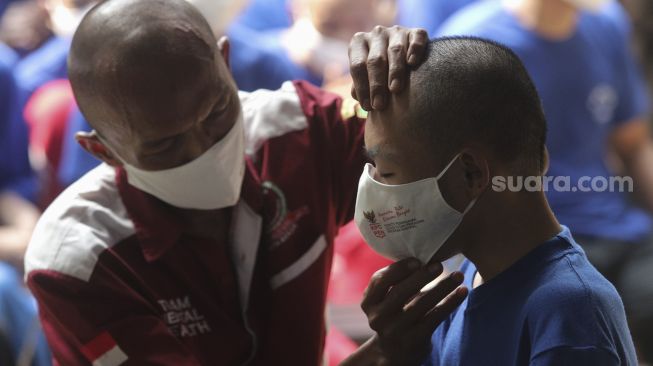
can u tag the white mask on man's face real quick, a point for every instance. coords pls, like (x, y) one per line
(211, 181)
(590, 5)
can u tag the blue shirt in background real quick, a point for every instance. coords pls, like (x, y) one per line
(589, 85)
(8, 57)
(552, 307)
(427, 14)
(47, 63)
(75, 161)
(259, 61)
(264, 15)
(16, 174)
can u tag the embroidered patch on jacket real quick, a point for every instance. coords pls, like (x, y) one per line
(284, 223)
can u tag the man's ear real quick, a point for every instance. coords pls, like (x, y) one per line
(477, 172)
(225, 48)
(90, 142)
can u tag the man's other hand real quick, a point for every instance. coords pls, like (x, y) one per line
(379, 60)
(403, 316)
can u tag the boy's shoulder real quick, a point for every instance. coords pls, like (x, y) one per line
(574, 306)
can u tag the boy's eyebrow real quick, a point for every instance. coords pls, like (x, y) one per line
(381, 151)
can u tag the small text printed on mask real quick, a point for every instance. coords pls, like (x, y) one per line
(379, 229)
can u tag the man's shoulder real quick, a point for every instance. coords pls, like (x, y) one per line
(86, 219)
(273, 113)
(576, 308)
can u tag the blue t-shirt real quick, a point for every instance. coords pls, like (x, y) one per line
(16, 174)
(589, 85)
(259, 61)
(264, 15)
(427, 14)
(47, 63)
(552, 307)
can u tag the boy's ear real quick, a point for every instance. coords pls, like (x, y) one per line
(225, 49)
(90, 142)
(477, 172)
(545, 157)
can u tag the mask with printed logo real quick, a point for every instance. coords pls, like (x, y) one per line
(407, 220)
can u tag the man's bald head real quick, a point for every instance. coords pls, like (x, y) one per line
(150, 78)
(130, 60)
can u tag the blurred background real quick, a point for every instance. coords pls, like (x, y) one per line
(271, 41)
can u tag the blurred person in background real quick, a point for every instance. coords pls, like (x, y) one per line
(24, 26)
(18, 216)
(44, 95)
(48, 62)
(641, 12)
(261, 15)
(428, 14)
(595, 100)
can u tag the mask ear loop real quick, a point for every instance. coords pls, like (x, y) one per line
(447, 167)
(472, 202)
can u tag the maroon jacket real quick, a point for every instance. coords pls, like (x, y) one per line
(119, 282)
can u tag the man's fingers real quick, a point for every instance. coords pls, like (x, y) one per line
(397, 50)
(385, 278)
(388, 315)
(377, 67)
(418, 308)
(417, 41)
(403, 292)
(441, 311)
(358, 51)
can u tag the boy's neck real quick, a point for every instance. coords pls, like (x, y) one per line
(551, 19)
(511, 233)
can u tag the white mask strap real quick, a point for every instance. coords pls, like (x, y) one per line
(447, 167)
(470, 205)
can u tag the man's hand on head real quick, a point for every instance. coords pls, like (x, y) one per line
(403, 316)
(379, 60)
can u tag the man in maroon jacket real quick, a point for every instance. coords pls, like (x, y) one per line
(206, 236)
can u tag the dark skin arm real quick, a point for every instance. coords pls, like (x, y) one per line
(632, 143)
(403, 317)
(379, 62)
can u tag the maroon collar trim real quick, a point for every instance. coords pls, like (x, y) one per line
(158, 226)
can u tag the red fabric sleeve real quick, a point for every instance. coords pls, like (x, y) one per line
(342, 129)
(85, 321)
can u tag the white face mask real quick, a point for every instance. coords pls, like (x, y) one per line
(210, 182)
(407, 220)
(590, 5)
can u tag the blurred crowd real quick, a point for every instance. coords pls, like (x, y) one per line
(272, 41)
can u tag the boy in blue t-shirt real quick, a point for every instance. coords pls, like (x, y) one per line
(596, 103)
(471, 118)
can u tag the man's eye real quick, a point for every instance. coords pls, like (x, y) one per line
(386, 175)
